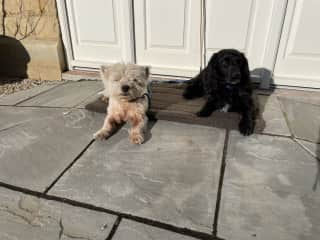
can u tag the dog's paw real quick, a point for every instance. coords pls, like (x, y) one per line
(246, 127)
(101, 134)
(203, 114)
(136, 138)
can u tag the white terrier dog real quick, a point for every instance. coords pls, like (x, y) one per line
(126, 87)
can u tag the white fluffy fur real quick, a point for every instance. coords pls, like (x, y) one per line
(130, 106)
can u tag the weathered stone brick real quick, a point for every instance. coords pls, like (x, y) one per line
(31, 7)
(49, 7)
(47, 28)
(20, 27)
(12, 6)
(33, 27)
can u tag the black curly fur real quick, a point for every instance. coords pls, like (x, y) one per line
(226, 80)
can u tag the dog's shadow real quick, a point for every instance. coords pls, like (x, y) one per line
(100, 106)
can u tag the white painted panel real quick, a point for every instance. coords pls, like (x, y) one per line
(100, 31)
(228, 23)
(174, 33)
(167, 35)
(84, 17)
(251, 26)
(298, 61)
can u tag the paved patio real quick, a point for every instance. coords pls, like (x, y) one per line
(186, 182)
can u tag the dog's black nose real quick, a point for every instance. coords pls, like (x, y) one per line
(125, 88)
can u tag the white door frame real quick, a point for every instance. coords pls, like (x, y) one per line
(72, 63)
(64, 27)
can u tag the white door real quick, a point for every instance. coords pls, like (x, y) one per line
(298, 61)
(101, 31)
(251, 26)
(167, 35)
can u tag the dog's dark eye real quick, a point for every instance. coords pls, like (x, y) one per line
(135, 80)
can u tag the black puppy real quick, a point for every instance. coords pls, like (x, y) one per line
(225, 82)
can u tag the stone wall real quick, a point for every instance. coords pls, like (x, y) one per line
(30, 35)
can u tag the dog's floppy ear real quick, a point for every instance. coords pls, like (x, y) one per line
(245, 73)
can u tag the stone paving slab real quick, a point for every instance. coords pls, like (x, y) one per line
(303, 118)
(172, 178)
(12, 116)
(137, 231)
(18, 97)
(272, 116)
(37, 144)
(30, 218)
(269, 190)
(66, 95)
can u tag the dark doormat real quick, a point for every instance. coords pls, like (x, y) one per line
(168, 104)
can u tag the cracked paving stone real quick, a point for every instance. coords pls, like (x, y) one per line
(138, 231)
(30, 218)
(20, 96)
(172, 178)
(271, 190)
(36, 145)
(66, 95)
